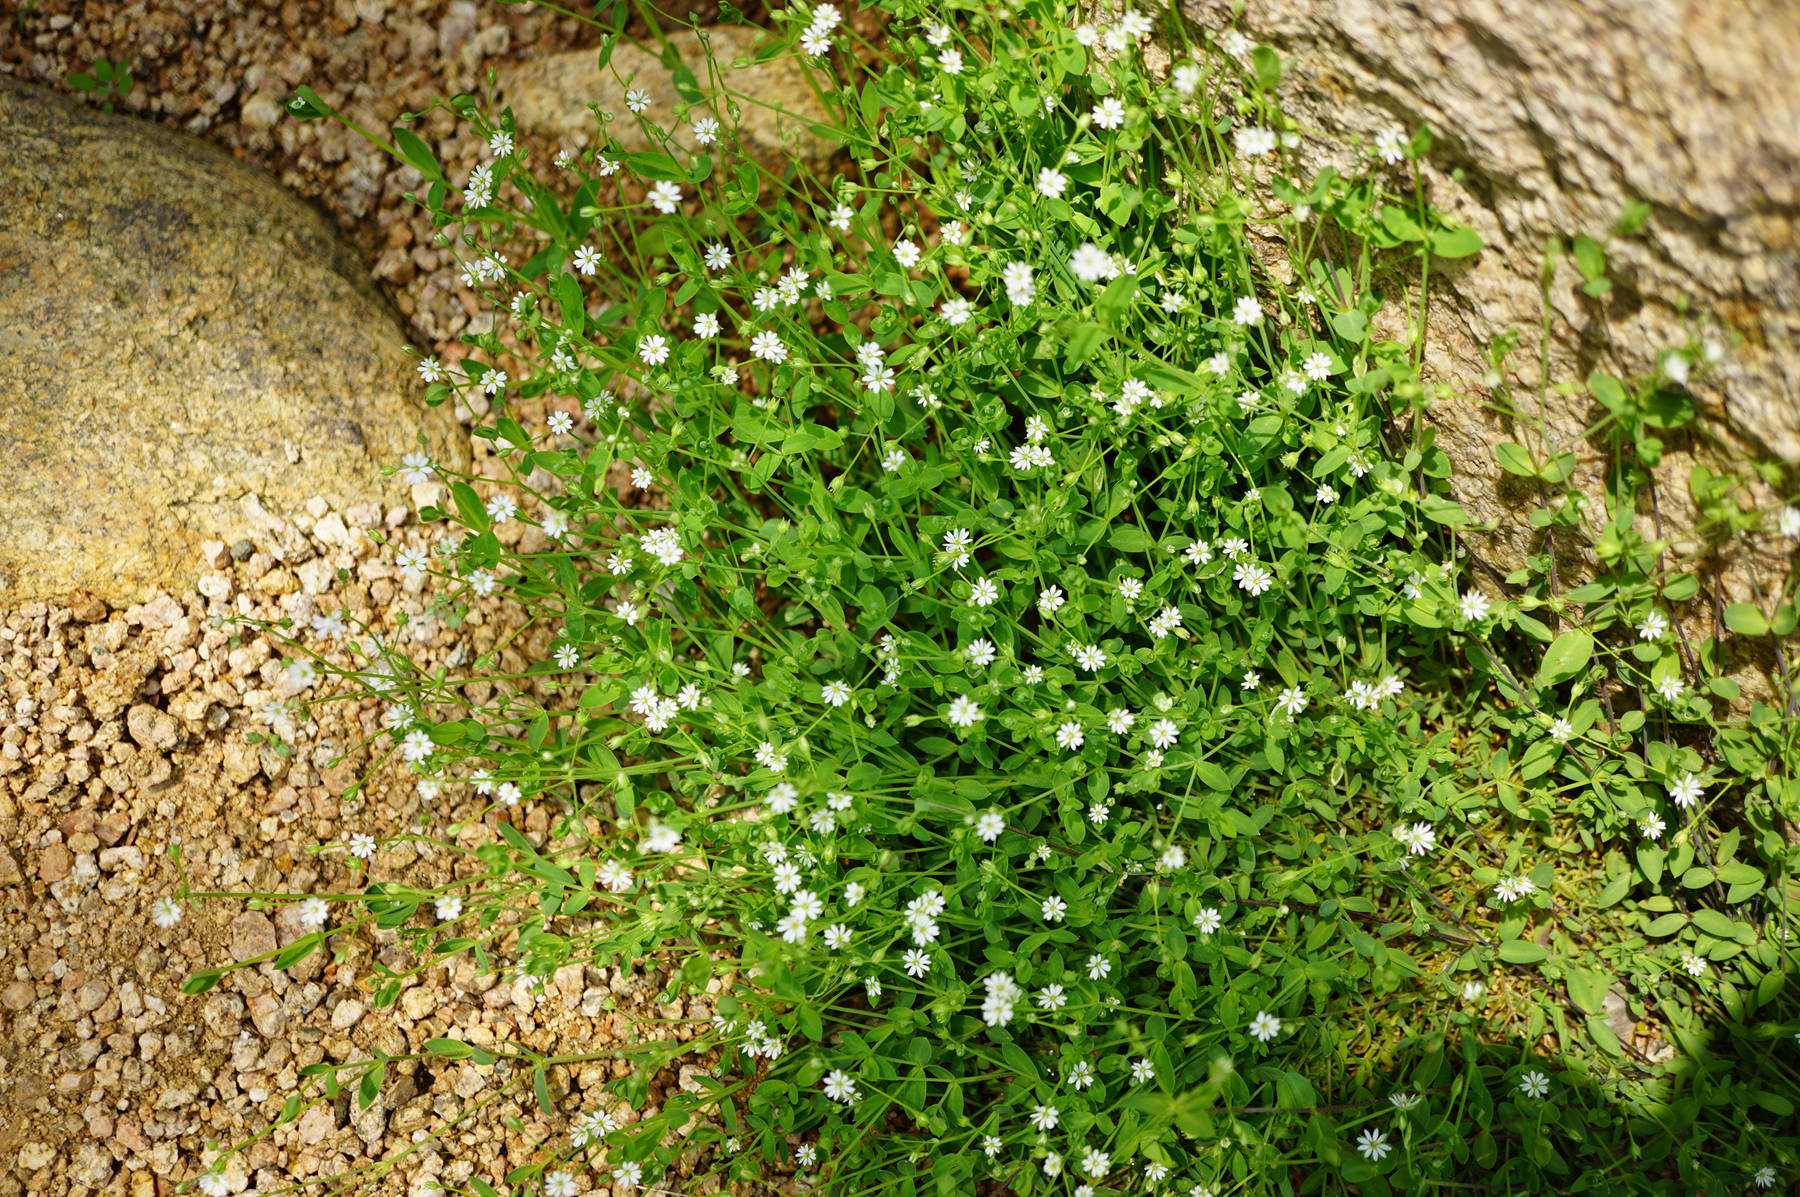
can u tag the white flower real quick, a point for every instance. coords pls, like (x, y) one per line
(1090, 263)
(1098, 967)
(1686, 791)
(964, 712)
(1265, 1026)
(1652, 827)
(1475, 606)
(1051, 182)
(1252, 578)
(1670, 688)
(1246, 311)
(836, 936)
(1292, 700)
(637, 99)
(1090, 657)
(989, 825)
(1373, 1144)
(1020, 287)
(1654, 626)
(361, 846)
(1788, 521)
(984, 592)
(1109, 113)
(665, 197)
(1208, 920)
(1095, 1162)
(1253, 141)
(917, 963)
(1054, 908)
(835, 693)
(165, 912)
(1044, 1118)
(706, 130)
(448, 908)
(1534, 1084)
(1562, 730)
(840, 1086)
(653, 350)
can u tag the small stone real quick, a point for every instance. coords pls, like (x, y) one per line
(17, 995)
(348, 1013)
(86, 606)
(216, 587)
(55, 863)
(112, 860)
(33, 1156)
(214, 554)
(241, 550)
(418, 1002)
(251, 935)
(269, 1015)
(153, 729)
(315, 1125)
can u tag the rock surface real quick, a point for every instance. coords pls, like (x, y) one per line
(186, 352)
(1548, 119)
(777, 108)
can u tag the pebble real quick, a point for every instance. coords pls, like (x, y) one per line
(153, 729)
(251, 935)
(55, 863)
(268, 1014)
(348, 1013)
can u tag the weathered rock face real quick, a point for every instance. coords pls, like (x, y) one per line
(185, 349)
(550, 96)
(1550, 117)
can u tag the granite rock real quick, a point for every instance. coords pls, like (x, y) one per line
(185, 348)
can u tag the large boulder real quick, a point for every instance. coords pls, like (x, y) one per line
(1550, 118)
(776, 107)
(185, 350)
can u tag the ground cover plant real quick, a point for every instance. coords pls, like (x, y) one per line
(1035, 658)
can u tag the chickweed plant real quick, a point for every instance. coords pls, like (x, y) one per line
(1035, 665)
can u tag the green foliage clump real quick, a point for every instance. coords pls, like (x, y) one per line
(1036, 659)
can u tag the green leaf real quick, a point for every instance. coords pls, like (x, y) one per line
(1746, 620)
(540, 1086)
(1668, 924)
(654, 166)
(1457, 242)
(449, 1049)
(1716, 922)
(1567, 656)
(1515, 460)
(202, 981)
(1522, 951)
(307, 106)
(1351, 325)
(1130, 538)
(416, 154)
(1608, 391)
(1399, 222)
(1590, 258)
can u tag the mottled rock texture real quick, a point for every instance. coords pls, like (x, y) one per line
(1549, 118)
(185, 350)
(777, 109)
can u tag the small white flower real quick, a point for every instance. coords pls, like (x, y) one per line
(1372, 1144)
(165, 912)
(1534, 1084)
(1265, 1026)
(1475, 606)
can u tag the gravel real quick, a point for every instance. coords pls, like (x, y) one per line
(133, 1079)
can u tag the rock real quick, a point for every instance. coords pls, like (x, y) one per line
(1548, 119)
(55, 863)
(348, 1013)
(33, 1156)
(269, 1015)
(111, 691)
(153, 729)
(251, 935)
(315, 1125)
(550, 96)
(210, 331)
